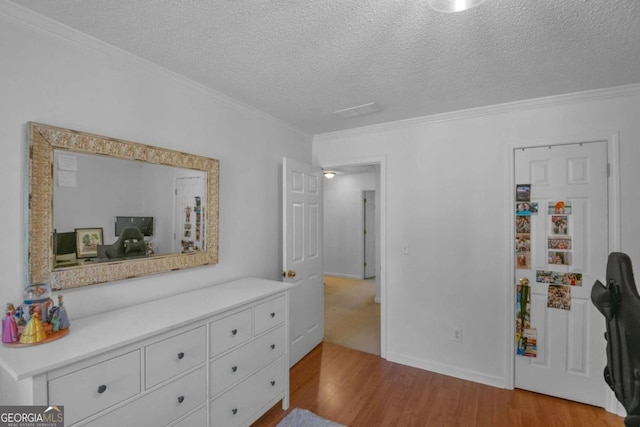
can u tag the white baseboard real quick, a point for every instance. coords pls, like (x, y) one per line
(452, 371)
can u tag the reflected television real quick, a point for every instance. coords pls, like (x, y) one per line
(142, 223)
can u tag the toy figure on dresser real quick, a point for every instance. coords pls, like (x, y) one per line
(35, 322)
(61, 313)
(9, 326)
(34, 331)
(55, 322)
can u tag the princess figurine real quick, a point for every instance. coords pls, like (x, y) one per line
(19, 316)
(45, 310)
(62, 314)
(9, 327)
(55, 321)
(34, 331)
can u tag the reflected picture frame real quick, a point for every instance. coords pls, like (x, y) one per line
(87, 241)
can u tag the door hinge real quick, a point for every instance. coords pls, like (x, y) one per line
(365, 263)
(365, 231)
(608, 169)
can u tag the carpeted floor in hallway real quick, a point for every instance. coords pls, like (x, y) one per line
(351, 315)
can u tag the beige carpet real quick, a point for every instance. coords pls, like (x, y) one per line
(351, 315)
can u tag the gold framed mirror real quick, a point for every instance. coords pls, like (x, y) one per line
(57, 156)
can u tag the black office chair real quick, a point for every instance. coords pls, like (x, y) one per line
(130, 244)
(619, 302)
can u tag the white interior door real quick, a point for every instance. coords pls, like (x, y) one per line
(302, 254)
(189, 220)
(570, 343)
(369, 234)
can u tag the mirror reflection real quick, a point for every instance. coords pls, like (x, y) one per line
(109, 209)
(122, 209)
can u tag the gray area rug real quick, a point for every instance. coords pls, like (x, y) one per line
(304, 418)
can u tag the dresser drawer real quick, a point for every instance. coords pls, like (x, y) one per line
(161, 406)
(269, 314)
(239, 364)
(197, 419)
(170, 357)
(239, 404)
(230, 331)
(97, 387)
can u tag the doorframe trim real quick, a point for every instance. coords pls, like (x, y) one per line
(382, 268)
(363, 215)
(612, 140)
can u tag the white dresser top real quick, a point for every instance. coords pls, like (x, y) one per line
(98, 334)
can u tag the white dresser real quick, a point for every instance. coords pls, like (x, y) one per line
(212, 357)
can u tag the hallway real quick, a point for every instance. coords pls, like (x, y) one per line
(351, 315)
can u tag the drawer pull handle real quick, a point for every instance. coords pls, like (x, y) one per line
(234, 368)
(273, 314)
(234, 332)
(273, 383)
(102, 389)
(273, 346)
(180, 355)
(180, 399)
(234, 411)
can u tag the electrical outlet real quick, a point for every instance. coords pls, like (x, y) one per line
(457, 334)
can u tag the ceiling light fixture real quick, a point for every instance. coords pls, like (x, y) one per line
(329, 174)
(449, 6)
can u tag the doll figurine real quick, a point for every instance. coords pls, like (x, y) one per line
(55, 321)
(19, 316)
(34, 331)
(46, 309)
(62, 314)
(9, 326)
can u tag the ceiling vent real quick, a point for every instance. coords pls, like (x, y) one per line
(360, 110)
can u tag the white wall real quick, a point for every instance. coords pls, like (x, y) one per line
(447, 181)
(54, 75)
(343, 224)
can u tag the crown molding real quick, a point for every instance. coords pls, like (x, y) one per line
(508, 107)
(34, 21)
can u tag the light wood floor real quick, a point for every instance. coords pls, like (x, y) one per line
(363, 390)
(351, 315)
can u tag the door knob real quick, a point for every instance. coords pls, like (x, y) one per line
(289, 273)
(524, 281)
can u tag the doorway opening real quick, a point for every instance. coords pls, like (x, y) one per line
(354, 265)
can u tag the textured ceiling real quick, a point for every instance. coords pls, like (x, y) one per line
(300, 61)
